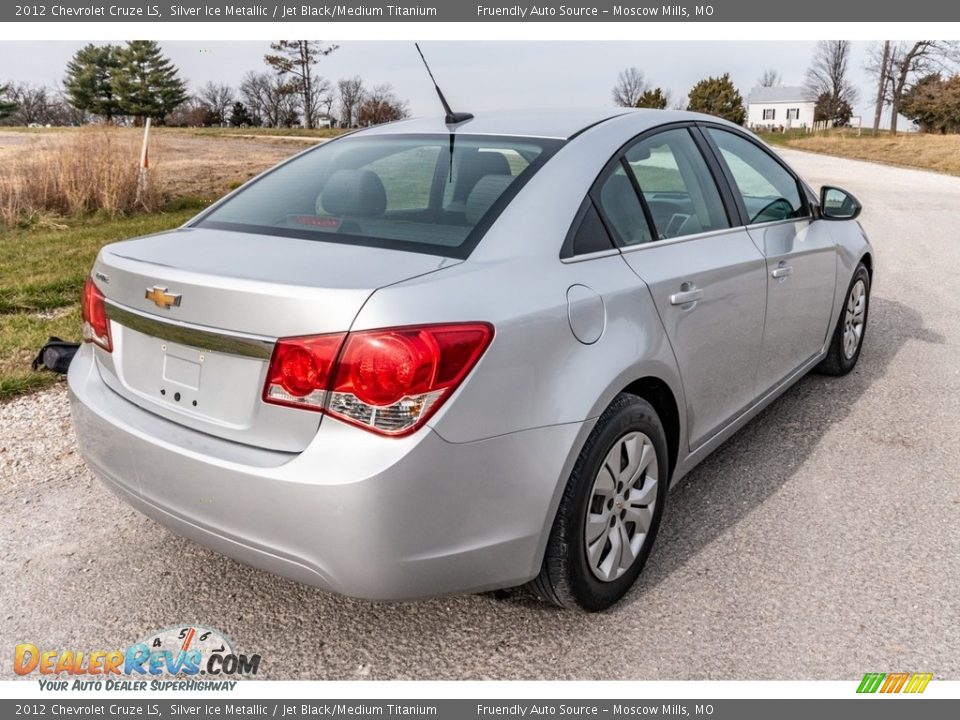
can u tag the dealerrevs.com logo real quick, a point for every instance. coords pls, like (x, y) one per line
(174, 658)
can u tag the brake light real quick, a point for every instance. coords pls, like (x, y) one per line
(96, 326)
(300, 370)
(386, 381)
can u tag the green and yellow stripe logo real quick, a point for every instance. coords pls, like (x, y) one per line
(894, 682)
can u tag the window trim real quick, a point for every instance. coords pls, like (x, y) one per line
(802, 189)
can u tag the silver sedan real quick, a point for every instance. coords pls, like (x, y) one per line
(429, 358)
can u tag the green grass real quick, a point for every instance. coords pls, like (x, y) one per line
(42, 271)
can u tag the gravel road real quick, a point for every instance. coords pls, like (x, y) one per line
(820, 543)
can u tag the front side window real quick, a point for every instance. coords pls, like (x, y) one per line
(429, 193)
(793, 113)
(678, 189)
(769, 114)
(769, 192)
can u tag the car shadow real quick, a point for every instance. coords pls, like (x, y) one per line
(753, 464)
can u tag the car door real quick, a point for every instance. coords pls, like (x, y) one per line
(800, 254)
(706, 277)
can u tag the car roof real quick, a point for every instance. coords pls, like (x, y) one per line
(562, 124)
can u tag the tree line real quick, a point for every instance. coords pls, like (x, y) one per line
(915, 79)
(131, 82)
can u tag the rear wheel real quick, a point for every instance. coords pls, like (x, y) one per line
(848, 335)
(610, 510)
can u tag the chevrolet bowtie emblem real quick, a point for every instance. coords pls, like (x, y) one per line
(161, 298)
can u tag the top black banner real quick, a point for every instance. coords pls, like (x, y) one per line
(474, 11)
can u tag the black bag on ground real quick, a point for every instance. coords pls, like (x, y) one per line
(56, 355)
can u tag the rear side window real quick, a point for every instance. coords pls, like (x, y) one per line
(430, 193)
(768, 191)
(621, 206)
(677, 185)
(590, 235)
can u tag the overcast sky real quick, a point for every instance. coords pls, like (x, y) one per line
(482, 75)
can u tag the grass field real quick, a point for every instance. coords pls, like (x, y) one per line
(940, 153)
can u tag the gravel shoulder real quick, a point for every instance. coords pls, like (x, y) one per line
(819, 543)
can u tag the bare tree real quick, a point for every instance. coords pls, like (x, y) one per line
(33, 104)
(769, 78)
(323, 98)
(351, 92)
(910, 61)
(381, 105)
(827, 80)
(272, 101)
(629, 88)
(294, 60)
(219, 98)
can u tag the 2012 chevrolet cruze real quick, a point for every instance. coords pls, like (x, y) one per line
(428, 358)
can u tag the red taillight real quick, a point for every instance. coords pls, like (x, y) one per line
(300, 370)
(96, 326)
(386, 381)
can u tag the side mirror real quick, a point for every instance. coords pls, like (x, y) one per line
(837, 204)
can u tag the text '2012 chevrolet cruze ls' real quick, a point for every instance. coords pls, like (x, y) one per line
(427, 358)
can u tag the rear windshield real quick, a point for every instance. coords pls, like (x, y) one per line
(428, 193)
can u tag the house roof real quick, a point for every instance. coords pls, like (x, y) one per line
(778, 95)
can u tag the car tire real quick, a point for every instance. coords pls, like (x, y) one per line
(627, 442)
(851, 327)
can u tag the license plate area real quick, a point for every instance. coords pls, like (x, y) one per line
(217, 387)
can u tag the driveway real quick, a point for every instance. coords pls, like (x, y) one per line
(821, 542)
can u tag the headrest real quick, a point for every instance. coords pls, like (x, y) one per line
(353, 192)
(484, 195)
(475, 165)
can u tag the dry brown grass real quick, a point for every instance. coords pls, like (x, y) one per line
(62, 172)
(928, 152)
(74, 173)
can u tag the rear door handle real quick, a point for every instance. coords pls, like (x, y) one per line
(685, 297)
(781, 271)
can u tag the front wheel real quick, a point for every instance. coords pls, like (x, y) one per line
(851, 326)
(610, 511)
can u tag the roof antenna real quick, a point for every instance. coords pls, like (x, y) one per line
(452, 118)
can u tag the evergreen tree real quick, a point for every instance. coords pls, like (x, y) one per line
(718, 96)
(6, 106)
(89, 80)
(146, 83)
(240, 116)
(653, 98)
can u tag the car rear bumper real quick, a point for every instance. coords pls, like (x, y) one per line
(370, 517)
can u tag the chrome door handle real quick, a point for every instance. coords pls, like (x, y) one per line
(686, 296)
(781, 271)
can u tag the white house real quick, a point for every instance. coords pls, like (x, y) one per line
(773, 107)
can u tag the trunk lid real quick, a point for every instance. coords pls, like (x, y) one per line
(196, 351)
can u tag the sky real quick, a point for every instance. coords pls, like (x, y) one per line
(483, 75)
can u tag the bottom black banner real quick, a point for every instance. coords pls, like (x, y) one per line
(869, 708)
